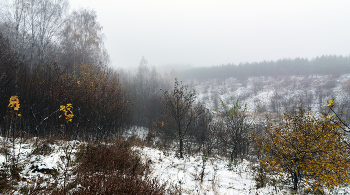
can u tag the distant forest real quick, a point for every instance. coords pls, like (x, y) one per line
(324, 65)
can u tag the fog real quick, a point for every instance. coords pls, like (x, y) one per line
(208, 32)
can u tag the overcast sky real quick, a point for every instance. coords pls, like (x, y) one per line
(214, 32)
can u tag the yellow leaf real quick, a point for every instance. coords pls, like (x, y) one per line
(16, 107)
(14, 102)
(326, 105)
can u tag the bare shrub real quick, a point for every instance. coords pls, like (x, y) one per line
(237, 128)
(113, 169)
(107, 158)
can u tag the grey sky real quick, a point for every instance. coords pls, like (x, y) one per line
(214, 32)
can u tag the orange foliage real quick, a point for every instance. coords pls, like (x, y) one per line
(306, 148)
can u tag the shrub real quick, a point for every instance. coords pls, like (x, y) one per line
(113, 169)
(306, 149)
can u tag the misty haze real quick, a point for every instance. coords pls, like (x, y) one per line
(174, 97)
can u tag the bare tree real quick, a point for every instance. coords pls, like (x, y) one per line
(180, 110)
(82, 40)
(9, 67)
(142, 80)
(33, 27)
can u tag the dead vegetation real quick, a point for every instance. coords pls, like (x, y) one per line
(105, 168)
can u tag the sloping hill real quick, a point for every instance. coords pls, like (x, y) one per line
(273, 94)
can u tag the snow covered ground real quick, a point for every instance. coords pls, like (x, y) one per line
(184, 175)
(220, 176)
(52, 163)
(39, 161)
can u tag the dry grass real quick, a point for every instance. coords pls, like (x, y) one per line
(113, 169)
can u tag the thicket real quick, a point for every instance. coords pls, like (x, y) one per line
(99, 105)
(196, 129)
(50, 61)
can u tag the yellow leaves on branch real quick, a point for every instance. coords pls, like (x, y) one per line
(305, 144)
(14, 102)
(67, 111)
(330, 103)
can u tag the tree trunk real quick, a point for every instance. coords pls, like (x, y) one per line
(181, 147)
(232, 153)
(295, 180)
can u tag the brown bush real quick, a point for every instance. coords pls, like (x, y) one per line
(113, 169)
(109, 158)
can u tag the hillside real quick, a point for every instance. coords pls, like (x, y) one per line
(273, 94)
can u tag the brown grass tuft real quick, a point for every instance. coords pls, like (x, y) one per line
(113, 169)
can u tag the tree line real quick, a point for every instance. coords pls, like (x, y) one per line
(323, 65)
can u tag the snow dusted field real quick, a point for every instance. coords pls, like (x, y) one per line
(183, 175)
(180, 175)
(220, 175)
(39, 162)
(50, 168)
